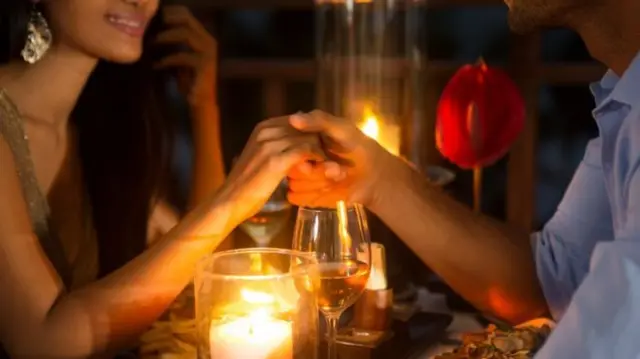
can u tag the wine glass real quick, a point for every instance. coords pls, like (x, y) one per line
(267, 223)
(339, 239)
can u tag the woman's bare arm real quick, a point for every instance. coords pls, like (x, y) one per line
(39, 319)
(208, 170)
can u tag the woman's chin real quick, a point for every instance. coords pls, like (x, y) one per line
(122, 55)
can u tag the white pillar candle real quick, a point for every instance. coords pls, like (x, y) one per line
(256, 336)
(378, 268)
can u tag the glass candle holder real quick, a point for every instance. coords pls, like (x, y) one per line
(371, 68)
(256, 304)
(371, 60)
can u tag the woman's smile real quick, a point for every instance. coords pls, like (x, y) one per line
(131, 24)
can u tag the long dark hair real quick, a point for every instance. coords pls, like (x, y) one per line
(124, 133)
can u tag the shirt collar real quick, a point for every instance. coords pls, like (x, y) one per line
(619, 89)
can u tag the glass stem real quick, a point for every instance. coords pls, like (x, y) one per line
(332, 333)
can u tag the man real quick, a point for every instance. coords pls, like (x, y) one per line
(584, 266)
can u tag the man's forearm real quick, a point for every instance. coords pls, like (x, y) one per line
(487, 263)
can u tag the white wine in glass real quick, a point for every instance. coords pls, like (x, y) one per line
(339, 239)
(267, 223)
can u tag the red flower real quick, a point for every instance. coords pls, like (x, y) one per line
(480, 114)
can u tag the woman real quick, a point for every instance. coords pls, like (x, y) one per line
(83, 149)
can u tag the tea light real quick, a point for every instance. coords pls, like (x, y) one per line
(256, 336)
(247, 309)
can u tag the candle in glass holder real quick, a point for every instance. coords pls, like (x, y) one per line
(243, 313)
(256, 336)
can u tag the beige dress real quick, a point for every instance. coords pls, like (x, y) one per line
(75, 261)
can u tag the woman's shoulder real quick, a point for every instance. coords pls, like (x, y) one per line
(10, 120)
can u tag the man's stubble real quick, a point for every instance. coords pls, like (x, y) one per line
(528, 16)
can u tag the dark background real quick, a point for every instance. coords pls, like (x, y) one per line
(463, 34)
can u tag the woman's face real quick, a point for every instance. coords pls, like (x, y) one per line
(108, 29)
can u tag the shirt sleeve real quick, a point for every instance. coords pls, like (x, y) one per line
(563, 248)
(604, 316)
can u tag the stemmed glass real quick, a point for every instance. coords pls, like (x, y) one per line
(267, 223)
(339, 239)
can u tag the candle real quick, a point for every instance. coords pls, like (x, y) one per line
(257, 335)
(378, 272)
(386, 134)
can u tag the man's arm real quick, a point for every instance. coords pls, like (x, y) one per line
(484, 261)
(489, 264)
(496, 268)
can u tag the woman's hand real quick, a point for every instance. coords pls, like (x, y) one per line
(359, 170)
(197, 75)
(272, 150)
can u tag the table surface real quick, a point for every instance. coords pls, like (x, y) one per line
(174, 336)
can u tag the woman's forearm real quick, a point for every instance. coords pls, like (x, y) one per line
(208, 170)
(108, 314)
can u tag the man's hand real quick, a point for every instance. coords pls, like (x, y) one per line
(486, 262)
(358, 169)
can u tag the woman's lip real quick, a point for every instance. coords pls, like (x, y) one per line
(131, 24)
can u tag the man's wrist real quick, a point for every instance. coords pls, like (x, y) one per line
(395, 176)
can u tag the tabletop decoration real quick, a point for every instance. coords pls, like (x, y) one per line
(173, 336)
(371, 69)
(255, 304)
(480, 115)
(503, 342)
(372, 312)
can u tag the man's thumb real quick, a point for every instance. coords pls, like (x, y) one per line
(336, 128)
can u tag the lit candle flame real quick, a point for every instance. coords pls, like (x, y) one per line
(370, 125)
(255, 297)
(386, 134)
(378, 275)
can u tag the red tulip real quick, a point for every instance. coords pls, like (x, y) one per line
(480, 114)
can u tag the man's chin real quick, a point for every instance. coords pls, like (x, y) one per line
(521, 25)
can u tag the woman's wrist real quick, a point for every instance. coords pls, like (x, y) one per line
(225, 203)
(204, 105)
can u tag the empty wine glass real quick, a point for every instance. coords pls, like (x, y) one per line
(267, 223)
(339, 239)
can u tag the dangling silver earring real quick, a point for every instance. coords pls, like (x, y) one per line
(38, 38)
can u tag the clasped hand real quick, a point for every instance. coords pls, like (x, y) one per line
(326, 159)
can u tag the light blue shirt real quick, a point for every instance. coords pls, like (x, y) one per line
(588, 255)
